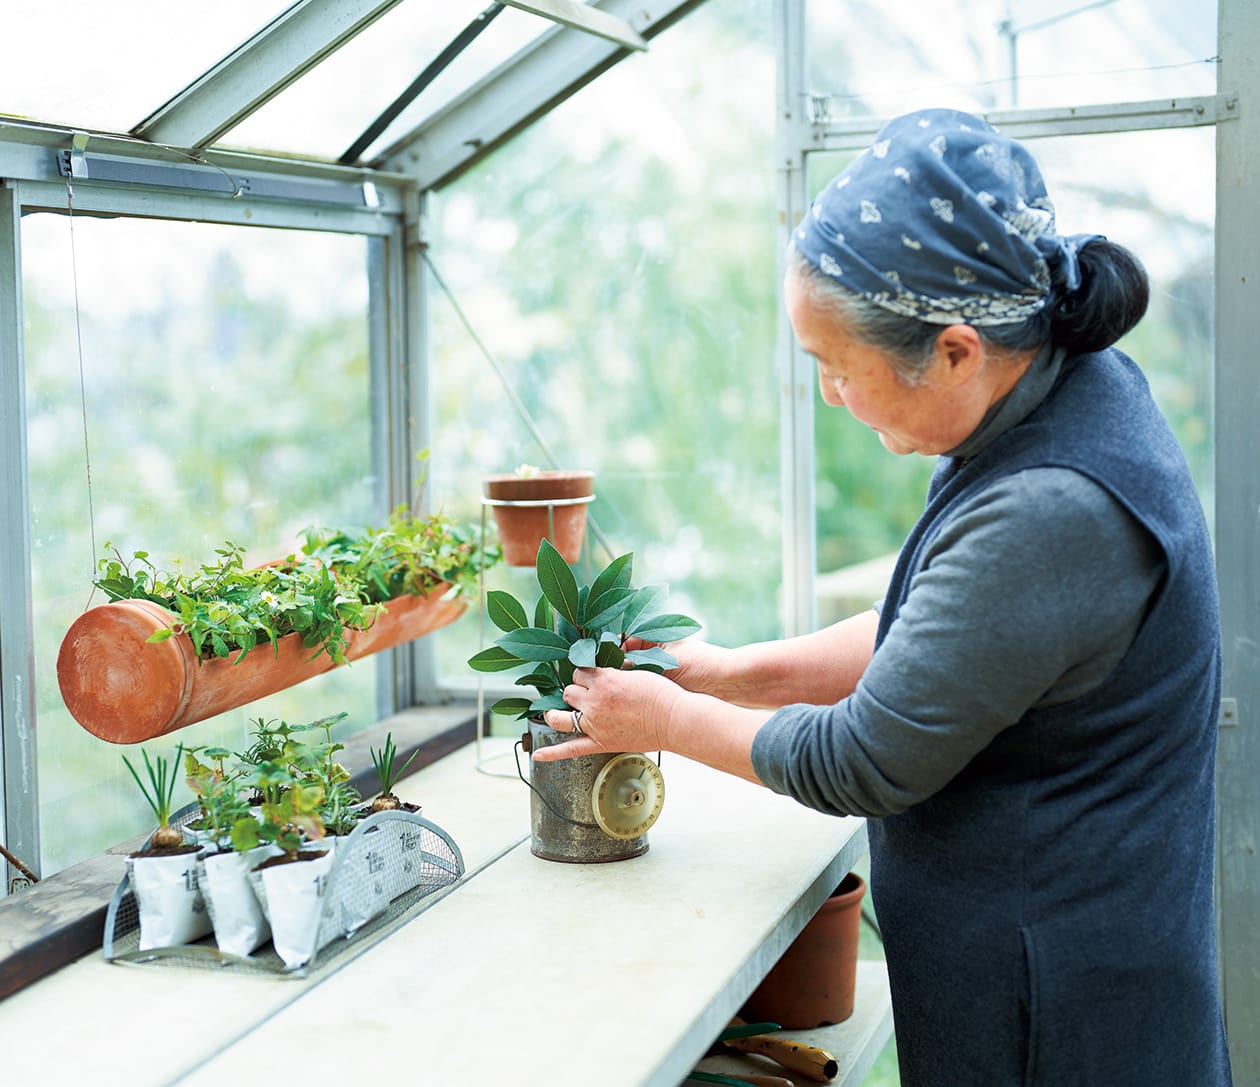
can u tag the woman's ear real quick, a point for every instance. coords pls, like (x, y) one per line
(961, 351)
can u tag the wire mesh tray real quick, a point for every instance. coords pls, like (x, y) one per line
(382, 872)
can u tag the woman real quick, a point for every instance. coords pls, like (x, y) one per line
(1029, 719)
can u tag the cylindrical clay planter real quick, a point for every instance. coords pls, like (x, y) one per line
(124, 689)
(812, 984)
(529, 508)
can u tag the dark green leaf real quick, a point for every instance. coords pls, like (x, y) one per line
(511, 707)
(605, 610)
(533, 644)
(610, 655)
(548, 702)
(644, 602)
(565, 670)
(493, 659)
(543, 615)
(664, 628)
(616, 575)
(655, 656)
(557, 582)
(542, 678)
(505, 611)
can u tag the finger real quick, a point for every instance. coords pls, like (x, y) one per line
(560, 720)
(570, 749)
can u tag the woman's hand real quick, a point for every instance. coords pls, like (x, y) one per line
(613, 710)
(701, 666)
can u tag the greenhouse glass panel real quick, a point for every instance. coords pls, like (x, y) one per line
(83, 63)
(885, 59)
(619, 263)
(1116, 185)
(187, 385)
(325, 111)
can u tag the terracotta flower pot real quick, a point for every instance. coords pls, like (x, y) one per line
(522, 527)
(812, 984)
(126, 690)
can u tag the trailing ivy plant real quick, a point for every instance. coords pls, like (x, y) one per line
(577, 626)
(338, 583)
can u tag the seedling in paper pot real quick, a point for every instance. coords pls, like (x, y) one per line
(158, 793)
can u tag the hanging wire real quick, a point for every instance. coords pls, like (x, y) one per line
(78, 333)
(517, 403)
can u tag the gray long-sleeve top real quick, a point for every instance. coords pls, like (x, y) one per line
(1030, 597)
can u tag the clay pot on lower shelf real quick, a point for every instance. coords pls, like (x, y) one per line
(543, 505)
(124, 689)
(812, 984)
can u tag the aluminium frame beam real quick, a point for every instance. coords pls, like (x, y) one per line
(1028, 124)
(289, 46)
(538, 78)
(19, 792)
(1237, 450)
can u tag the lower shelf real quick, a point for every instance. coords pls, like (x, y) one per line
(855, 1043)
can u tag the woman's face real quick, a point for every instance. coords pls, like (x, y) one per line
(922, 418)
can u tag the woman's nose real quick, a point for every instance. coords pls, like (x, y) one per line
(830, 391)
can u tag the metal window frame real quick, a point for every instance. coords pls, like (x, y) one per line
(142, 182)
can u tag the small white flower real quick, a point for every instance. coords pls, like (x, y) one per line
(942, 209)
(841, 182)
(903, 173)
(964, 275)
(983, 248)
(892, 277)
(910, 242)
(985, 199)
(816, 211)
(924, 122)
(880, 149)
(828, 264)
(840, 237)
(870, 212)
(939, 145)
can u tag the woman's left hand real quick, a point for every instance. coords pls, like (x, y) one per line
(613, 710)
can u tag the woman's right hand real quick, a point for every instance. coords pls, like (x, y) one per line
(701, 667)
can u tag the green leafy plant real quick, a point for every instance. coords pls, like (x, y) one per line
(388, 773)
(338, 583)
(577, 626)
(161, 775)
(300, 789)
(219, 792)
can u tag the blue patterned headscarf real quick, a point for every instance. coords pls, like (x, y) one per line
(945, 220)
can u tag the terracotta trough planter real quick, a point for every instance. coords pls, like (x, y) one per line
(549, 505)
(124, 689)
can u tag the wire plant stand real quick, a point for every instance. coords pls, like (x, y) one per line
(419, 856)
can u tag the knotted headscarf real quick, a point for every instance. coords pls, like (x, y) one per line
(946, 220)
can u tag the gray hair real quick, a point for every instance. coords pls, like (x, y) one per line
(909, 342)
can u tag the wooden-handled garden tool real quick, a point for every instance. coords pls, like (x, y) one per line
(805, 1060)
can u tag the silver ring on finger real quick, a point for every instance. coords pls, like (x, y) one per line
(577, 722)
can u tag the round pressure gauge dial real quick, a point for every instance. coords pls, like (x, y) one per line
(627, 796)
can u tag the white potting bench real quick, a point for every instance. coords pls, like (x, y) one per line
(524, 972)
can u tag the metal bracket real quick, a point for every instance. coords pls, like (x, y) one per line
(73, 162)
(1229, 713)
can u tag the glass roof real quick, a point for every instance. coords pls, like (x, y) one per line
(325, 111)
(107, 66)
